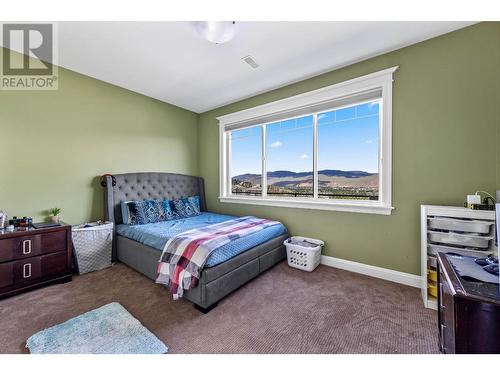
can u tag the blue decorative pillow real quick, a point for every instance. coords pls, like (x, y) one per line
(179, 209)
(167, 210)
(136, 212)
(194, 203)
(186, 207)
(145, 212)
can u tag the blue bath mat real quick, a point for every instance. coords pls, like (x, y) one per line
(110, 329)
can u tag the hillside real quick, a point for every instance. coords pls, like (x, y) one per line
(327, 179)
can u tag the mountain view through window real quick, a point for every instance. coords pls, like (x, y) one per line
(347, 155)
(348, 142)
(246, 161)
(289, 157)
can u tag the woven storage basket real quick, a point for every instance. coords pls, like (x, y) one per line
(93, 246)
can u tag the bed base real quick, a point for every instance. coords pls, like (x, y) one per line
(215, 282)
(205, 310)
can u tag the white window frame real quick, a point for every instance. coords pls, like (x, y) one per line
(381, 80)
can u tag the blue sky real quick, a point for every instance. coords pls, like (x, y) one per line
(347, 140)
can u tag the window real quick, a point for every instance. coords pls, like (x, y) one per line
(348, 152)
(246, 161)
(289, 161)
(325, 149)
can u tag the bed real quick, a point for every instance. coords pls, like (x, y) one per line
(139, 246)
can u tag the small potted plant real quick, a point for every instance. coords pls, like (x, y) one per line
(54, 214)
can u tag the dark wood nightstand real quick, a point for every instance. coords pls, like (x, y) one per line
(468, 313)
(30, 258)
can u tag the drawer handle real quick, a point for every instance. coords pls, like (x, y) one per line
(27, 249)
(441, 303)
(441, 337)
(27, 270)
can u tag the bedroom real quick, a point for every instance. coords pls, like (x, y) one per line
(206, 146)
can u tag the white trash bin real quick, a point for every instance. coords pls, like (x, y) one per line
(303, 253)
(93, 243)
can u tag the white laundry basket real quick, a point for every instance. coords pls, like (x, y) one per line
(303, 253)
(93, 243)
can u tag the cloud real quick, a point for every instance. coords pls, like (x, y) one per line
(369, 141)
(304, 156)
(323, 115)
(372, 104)
(276, 144)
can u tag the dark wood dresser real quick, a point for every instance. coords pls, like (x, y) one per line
(468, 312)
(30, 258)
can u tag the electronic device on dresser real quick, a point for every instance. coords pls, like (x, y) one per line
(468, 309)
(30, 258)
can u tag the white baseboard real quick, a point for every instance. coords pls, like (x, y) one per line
(378, 272)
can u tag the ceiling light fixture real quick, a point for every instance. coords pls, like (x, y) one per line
(217, 32)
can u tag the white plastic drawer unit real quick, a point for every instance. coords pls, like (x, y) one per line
(433, 249)
(456, 230)
(460, 225)
(431, 261)
(466, 240)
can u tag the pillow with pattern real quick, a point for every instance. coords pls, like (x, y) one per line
(145, 212)
(167, 210)
(194, 202)
(186, 207)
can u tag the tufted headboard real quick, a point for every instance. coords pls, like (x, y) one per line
(148, 185)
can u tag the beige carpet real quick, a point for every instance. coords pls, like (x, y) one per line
(282, 311)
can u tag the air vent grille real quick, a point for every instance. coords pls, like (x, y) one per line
(250, 61)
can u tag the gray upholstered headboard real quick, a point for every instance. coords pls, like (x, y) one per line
(148, 185)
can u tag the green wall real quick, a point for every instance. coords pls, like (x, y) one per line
(497, 100)
(445, 120)
(55, 143)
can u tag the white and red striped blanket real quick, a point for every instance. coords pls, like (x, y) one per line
(185, 254)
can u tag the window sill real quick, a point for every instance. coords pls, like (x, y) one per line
(368, 208)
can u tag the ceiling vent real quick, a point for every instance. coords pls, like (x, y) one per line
(250, 61)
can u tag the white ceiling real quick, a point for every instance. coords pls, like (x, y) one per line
(169, 61)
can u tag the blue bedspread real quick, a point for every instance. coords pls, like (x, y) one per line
(156, 235)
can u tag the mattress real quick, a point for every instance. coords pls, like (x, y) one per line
(156, 235)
